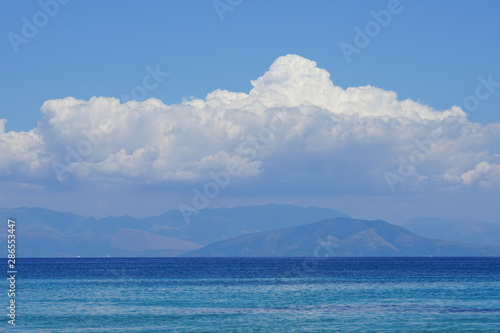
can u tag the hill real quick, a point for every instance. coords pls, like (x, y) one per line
(339, 237)
(458, 230)
(47, 233)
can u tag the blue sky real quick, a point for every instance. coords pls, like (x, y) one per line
(430, 52)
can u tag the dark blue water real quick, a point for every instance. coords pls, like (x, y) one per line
(258, 295)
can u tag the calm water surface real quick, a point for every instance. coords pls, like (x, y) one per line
(258, 295)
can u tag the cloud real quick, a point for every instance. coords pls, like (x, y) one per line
(294, 130)
(484, 173)
(20, 152)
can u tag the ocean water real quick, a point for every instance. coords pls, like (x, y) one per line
(257, 295)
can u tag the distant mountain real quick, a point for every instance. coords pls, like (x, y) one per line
(273, 216)
(459, 230)
(211, 225)
(339, 237)
(47, 233)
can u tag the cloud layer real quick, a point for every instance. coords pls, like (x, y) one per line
(294, 129)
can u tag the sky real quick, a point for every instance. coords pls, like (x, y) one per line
(381, 109)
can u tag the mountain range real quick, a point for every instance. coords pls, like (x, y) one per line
(464, 230)
(264, 230)
(340, 237)
(47, 233)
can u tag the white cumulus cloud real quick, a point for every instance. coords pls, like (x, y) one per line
(484, 173)
(294, 128)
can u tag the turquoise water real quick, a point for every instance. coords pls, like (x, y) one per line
(258, 295)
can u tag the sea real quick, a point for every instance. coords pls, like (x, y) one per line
(256, 295)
